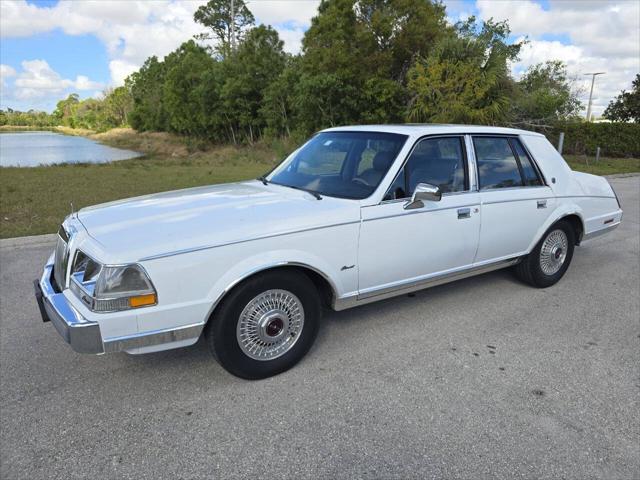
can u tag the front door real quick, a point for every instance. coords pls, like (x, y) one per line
(398, 246)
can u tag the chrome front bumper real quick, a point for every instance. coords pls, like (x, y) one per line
(85, 336)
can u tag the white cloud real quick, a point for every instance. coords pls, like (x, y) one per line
(120, 70)
(292, 38)
(290, 21)
(21, 19)
(38, 80)
(273, 12)
(132, 31)
(83, 83)
(537, 51)
(603, 36)
(6, 71)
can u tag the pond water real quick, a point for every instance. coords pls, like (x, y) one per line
(30, 149)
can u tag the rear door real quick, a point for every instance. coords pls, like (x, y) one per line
(515, 200)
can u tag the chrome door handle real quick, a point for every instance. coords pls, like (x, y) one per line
(464, 213)
(542, 204)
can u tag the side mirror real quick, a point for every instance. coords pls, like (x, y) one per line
(424, 192)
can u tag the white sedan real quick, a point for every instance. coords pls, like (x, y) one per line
(355, 215)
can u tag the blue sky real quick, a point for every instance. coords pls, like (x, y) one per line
(68, 55)
(50, 48)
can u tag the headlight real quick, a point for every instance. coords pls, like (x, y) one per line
(106, 288)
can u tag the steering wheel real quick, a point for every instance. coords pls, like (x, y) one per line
(361, 181)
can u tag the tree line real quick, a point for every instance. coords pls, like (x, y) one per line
(111, 110)
(361, 62)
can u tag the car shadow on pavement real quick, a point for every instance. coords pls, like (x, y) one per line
(196, 359)
(199, 362)
(362, 317)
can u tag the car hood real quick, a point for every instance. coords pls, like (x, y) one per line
(164, 223)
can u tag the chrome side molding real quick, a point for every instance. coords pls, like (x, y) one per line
(157, 337)
(595, 234)
(415, 285)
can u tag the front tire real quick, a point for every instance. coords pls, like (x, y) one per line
(265, 325)
(550, 259)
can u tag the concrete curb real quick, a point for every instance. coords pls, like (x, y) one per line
(623, 175)
(33, 241)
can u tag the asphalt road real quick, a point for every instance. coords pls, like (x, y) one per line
(483, 378)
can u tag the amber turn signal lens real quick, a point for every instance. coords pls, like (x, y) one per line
(142, 300)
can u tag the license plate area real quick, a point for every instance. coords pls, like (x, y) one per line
(40, 300)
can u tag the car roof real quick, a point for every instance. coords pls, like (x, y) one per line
(431, 129)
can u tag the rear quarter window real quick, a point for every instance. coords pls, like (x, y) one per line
(531, 177)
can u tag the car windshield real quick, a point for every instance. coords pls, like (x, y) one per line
(340, 164)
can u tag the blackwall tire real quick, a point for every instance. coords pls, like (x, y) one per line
(551, 257)
(265, 325)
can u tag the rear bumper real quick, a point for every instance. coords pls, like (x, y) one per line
(602, 224)
(84, 336)
(602, 231)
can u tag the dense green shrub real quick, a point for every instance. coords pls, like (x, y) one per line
(614, 139)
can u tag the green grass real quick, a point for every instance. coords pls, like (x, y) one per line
(35, 200)
(604, 166)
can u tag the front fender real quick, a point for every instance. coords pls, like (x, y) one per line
(274, 259)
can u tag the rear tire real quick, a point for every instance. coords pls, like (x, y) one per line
(550, 259)
(265, 325)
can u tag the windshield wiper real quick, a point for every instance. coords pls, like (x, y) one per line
(315, 194)
(263, 179)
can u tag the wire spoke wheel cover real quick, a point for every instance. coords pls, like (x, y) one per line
(270, 325)
(553, 252)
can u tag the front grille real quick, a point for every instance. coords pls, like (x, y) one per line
(61, 259)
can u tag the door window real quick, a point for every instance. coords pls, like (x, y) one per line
(437, 161)
(497, 164)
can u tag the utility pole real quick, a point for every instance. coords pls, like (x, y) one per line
(593, 79)
(233, 28)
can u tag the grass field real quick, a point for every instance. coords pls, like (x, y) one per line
(604, 166)
(35, 200)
